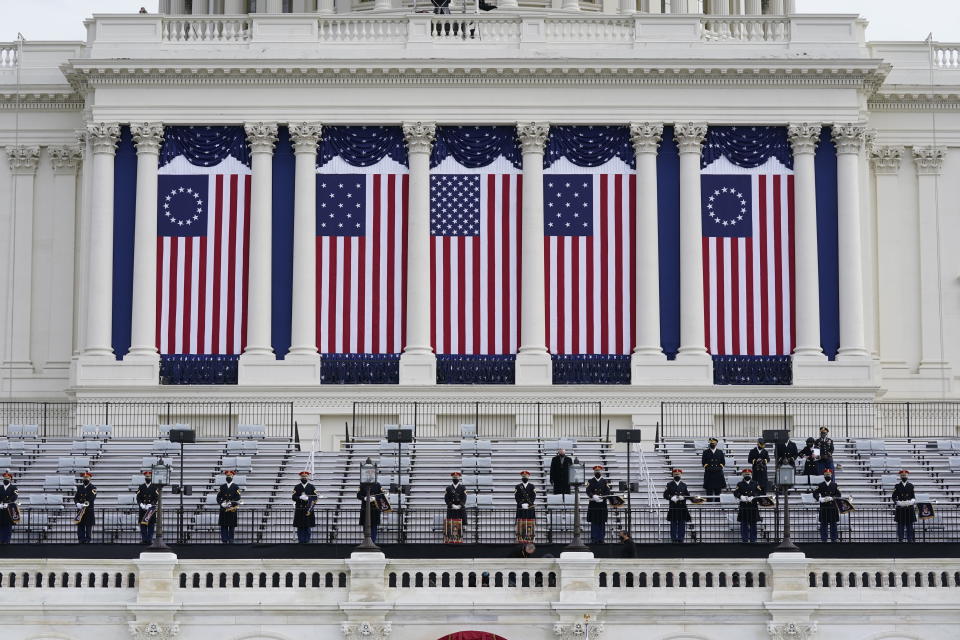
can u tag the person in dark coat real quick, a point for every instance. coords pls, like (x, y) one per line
(676, 494)
(525, 495)
(148, 495)
(825, 445)
(455, 498)
(86, 494)
(826, 494)
(809, 459)
(598, 488)
(786, 453)
(713, 462)
(365, 494)
(228, 497)
(748, 512)
(905, 515)
(629, 547)
(560, 472)
(303, 521)
(8, 496)
(759, 458)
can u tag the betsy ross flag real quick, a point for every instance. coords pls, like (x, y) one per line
(748, 261)
(590, 253)
(203, 233)
(475, 265)
(361, 262)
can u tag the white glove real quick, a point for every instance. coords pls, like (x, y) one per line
(304, 497)
(597, 498)
(79, 504)
(674, 498)
(745, 499)
(225, 504)
(911, 502)
(144, 506)
(825, 499)
(3, 505)
(525, 505)
(454, 506)
(901, 503)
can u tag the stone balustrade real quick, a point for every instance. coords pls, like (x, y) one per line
(8, 55)
(946, 56)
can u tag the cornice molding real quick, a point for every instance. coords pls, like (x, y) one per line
(53, 98)
(646, 136)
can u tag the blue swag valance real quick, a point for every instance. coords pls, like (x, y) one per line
(589, 146)
(204, 146)
(362, 146)
(747, 147)
(476, 147)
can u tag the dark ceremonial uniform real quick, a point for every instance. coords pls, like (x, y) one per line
(560, 473)
(786, 453)
(713, 462)
(525, 493)
(829, 514)
(748, 513)
(825, 444)
(147, 494)
(759, 459)
(597, 511)
(229, 492)
(86, 493)
(809, 464)
(904, 516)
(456, 494)
(374, 488)
(8, 495)
(303, 521)
(678, 514)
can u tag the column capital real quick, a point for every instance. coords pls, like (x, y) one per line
(305, 136)
(690, 136)
(147, 136)
(23, 159)
(533, 136)
(886, 159)
(849, 137)
(646, 136)
(104, 136)
(261, 136)
(929, 160)
(66, 158)
(804, 137)
(419, 136)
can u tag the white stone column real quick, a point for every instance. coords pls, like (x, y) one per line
(646, 137)
(719, 7)
(678, 6)
(65, 161)
(201, 7)
(534, 366)
(234, 7)
(326, 6)
(933, 360)
(98, 345)
(570, 5)
(304, 136)
(754, 7)
(272, 6)
(148, 136)
(776, 8)
(848, 139)
(804, 139)
(24, 161)
(508, 4)
(81, 260)
(418, 363)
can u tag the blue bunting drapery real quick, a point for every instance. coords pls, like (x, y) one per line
(204, 146)
(475, 369)
(591, 369)
(747, 147)
(589, 146)
(198, 369)
(476, 147)
(360, 368)
(747, 370)
(362, 146)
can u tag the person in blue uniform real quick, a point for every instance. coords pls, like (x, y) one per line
(304, 522)
(86, 494)
(8, 496)
(676, 494)
(366, 494)
(759, 458)
(148, 495)
(598, 488)
(713, 462)
(228, 497)
(826, 494)
(525, 495)
(905, 514)
(748, 512)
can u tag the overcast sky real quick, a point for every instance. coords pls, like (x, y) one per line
(889, 19)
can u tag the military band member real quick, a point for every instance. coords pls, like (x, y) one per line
(228, 497)
(303, 517)
(8, 496)
(85, 495)
(826, 494)
(366, 494)
(748, 512)
(678, 514)
(904, 498)
(759, 458)
(825, 445)
(809, 458)
(525, 495)
(148, 495)
(598, 488)
(455, 497)
(560, 472)
(713, 462)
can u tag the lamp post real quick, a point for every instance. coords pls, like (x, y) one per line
(368, 475)
(161, 477)
(786, 478)
(575, 474)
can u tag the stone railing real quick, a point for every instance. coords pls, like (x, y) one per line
(946, 56)
(746, 29)
(205, 29)
(8, 55)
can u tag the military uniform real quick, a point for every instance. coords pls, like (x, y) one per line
(303, 521)
(759, 458)
(560, 473)
(678, 514)
(809, 464)
(85, 494)
(374, 489)
(147, 494)
(525, 493)
(228, 495)
(825, 444)
(8, 495)
(748, 512)
(597, 490)
(905, 515)
(455, 497)
(829, 514)
(713, 461)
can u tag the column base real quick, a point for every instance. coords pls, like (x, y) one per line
(99, 371)
(261, 370)
(815, 372)
(533, 369)
(689, 369)
(418, 368)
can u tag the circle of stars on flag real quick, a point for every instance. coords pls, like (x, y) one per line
(727, 193)
(187, 220)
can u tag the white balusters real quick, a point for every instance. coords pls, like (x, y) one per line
(945, 56)
(746, 29)
(205, 30)
(8, 56)
(362, 30)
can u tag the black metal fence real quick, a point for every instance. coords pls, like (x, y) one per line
(492, 419)
(212, 420)
(710, 524)
(844, 419)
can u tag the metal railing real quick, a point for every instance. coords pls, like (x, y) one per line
(844, 419)
(212, 420)
(439, 420)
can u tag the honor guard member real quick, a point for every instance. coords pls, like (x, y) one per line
(303, 517)
(368, 501)
(826, 494)
(713, 462)
(678, 514)
(228, 497)
(85, 495)
(748, 511)
(809, 459)
(525, 495)
(905, 514)
(759, 458)
(455, 498)
(825, 444)
(148, 495)
(8, 497)
(598, 488)
(560, 472)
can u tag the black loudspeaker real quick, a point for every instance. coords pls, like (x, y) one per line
(185, 436)
(776, 436)
(402, 435)
(628, 435)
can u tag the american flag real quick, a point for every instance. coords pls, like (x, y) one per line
(474, 257)
(361, 262)
(590, 253)
(203, 234)
(748, 262)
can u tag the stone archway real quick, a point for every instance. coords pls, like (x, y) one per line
(472, 635)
